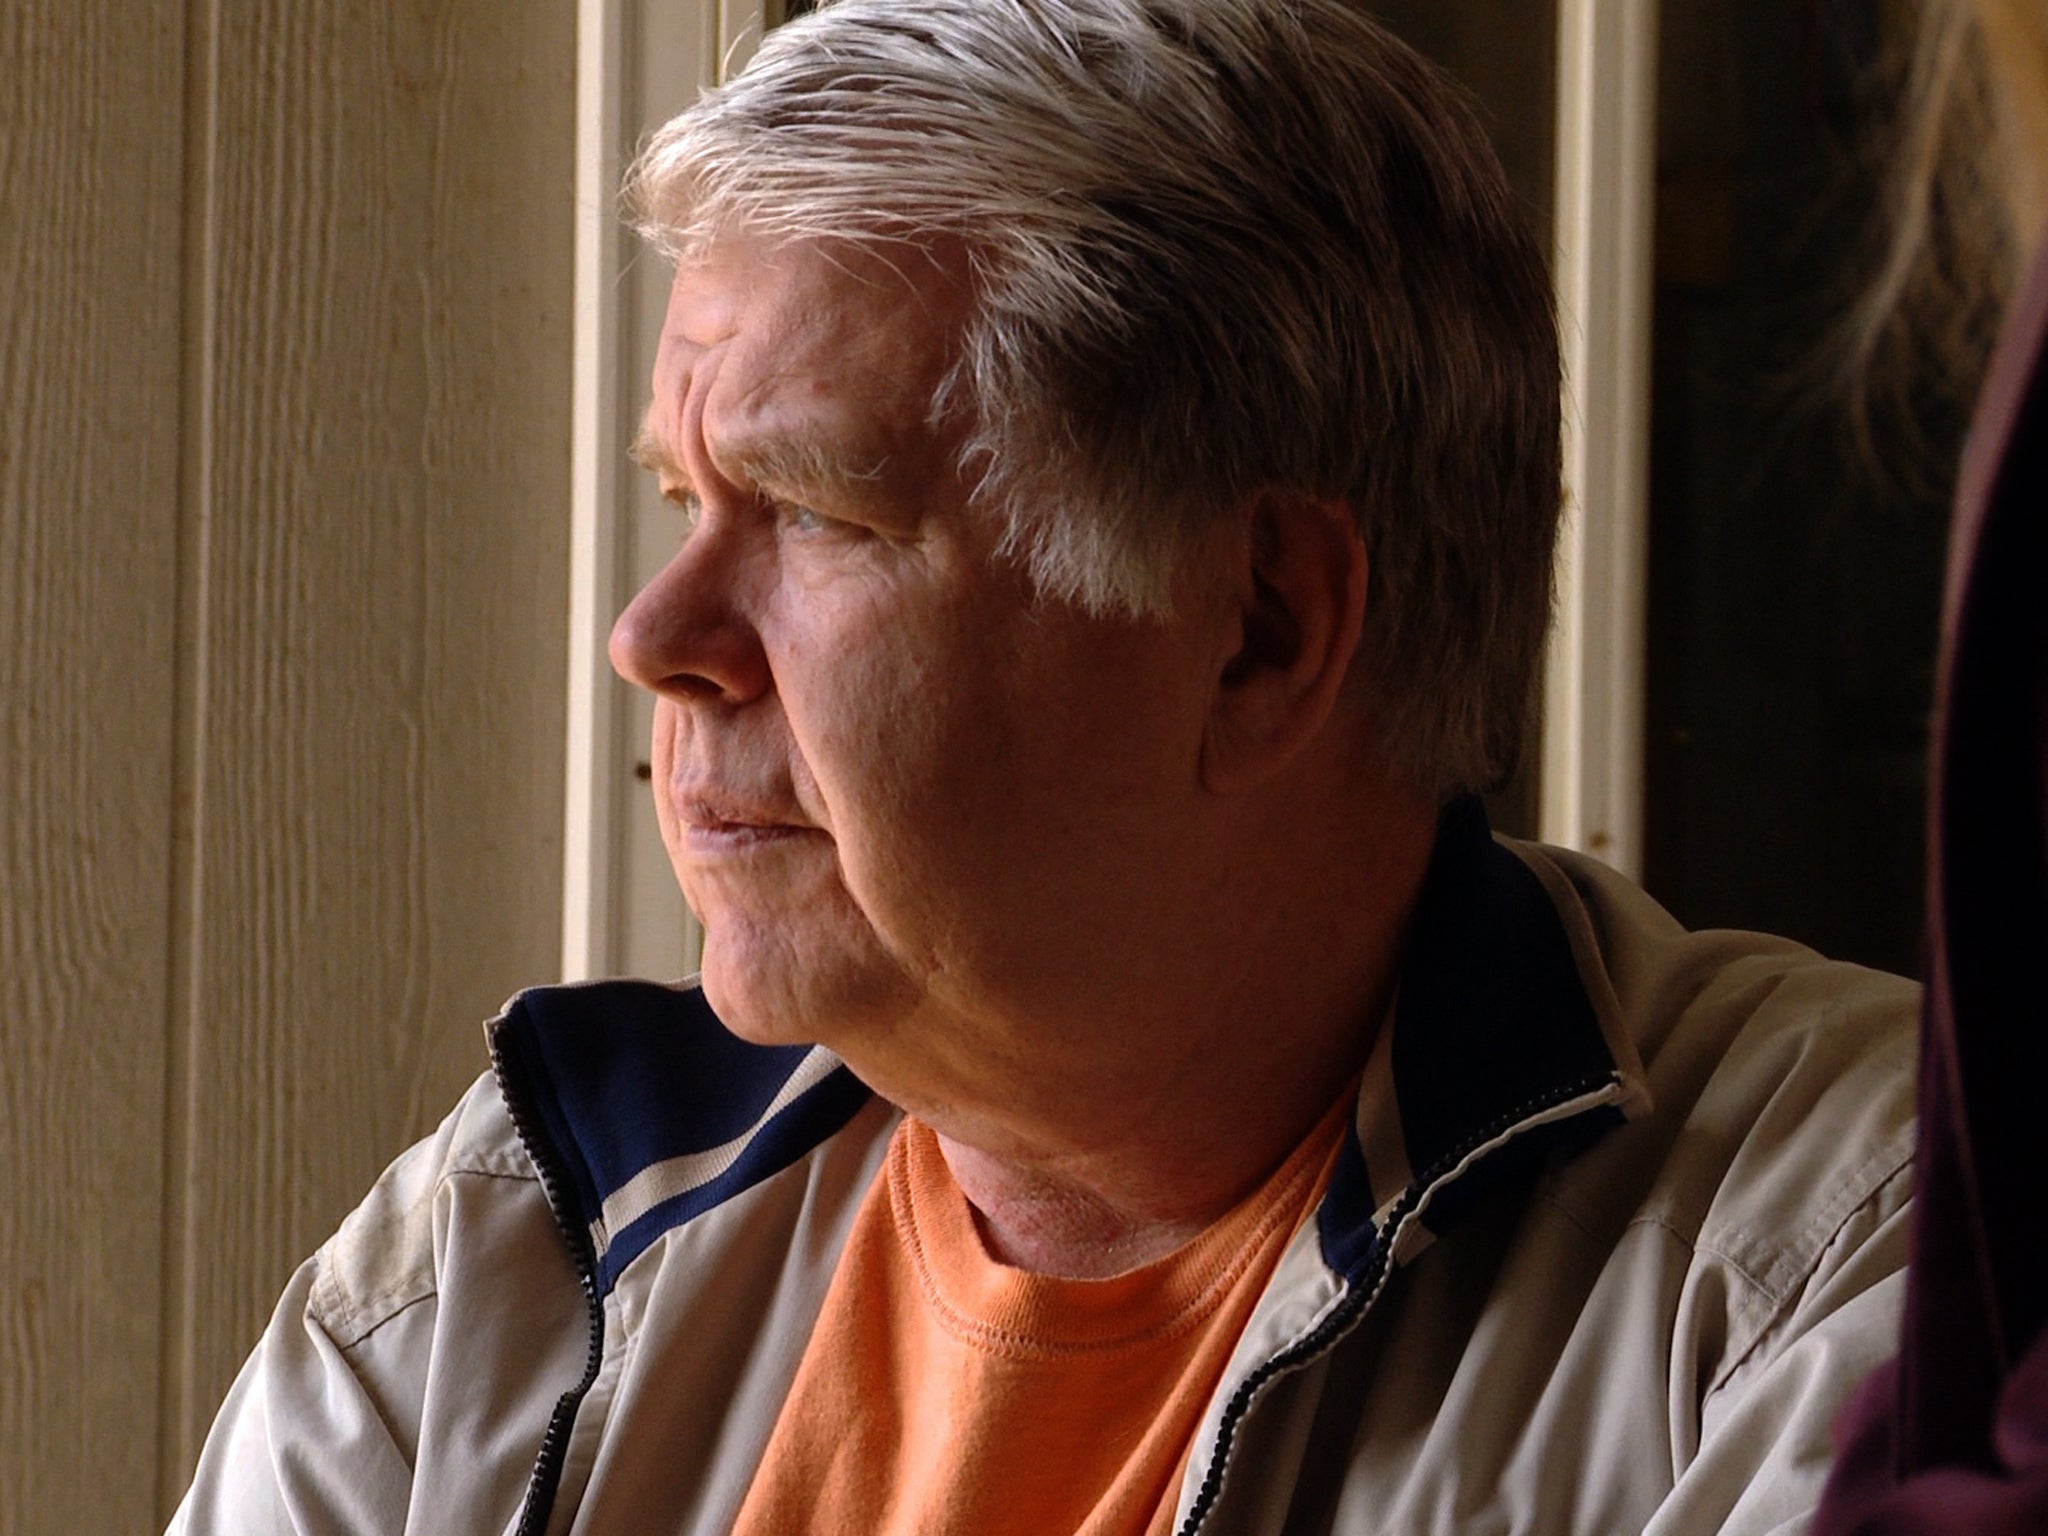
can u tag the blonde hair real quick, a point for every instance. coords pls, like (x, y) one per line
(1969, 195)
(2014, 38)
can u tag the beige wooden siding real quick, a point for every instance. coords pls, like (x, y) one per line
(284, 423)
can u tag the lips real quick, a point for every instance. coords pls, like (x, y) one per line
(717, 820)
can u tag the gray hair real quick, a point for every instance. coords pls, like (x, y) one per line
(1218, 247)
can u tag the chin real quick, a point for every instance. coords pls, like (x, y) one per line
(742, 1007)
(793, 994)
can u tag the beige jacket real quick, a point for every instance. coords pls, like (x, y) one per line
(1621, 1222)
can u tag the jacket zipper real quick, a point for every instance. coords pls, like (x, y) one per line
(1353, 1307)
(541, 1487)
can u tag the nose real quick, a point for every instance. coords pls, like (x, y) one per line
(688, 636)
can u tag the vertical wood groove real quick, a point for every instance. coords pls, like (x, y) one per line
(88, 470)
(176, 1411)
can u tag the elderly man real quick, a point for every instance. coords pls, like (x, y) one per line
(1114, 445)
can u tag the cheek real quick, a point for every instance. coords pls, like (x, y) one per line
(895, 750)
(865, 695)
(875, 749)
(984, 814)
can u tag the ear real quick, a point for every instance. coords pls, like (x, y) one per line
(1299, 591)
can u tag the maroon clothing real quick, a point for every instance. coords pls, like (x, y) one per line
(1953, 1435)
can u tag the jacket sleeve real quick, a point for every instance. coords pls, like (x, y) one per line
(405, 1380)
(300, 1445)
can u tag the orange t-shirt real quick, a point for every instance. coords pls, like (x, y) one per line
(945, 1392)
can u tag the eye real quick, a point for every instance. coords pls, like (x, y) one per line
(689, 509)
(799, 518)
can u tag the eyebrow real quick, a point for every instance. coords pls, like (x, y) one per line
(648, 452)
(803, 461)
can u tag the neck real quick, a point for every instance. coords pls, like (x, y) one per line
(1111, 1166)
(1149, 1157)
(1092, 1217)
(1065, 1222)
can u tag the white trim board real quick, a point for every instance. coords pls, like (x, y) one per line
(591, 810)
(1592, 796)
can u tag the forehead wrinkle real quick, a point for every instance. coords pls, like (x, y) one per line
(780, 429)
(771, 346)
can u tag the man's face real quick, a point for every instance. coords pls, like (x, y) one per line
(912, 806)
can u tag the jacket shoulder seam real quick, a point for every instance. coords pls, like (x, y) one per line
(356, 1338)
(398, 1251)
(1801, 1253)
(1691, 1243)
(1786, 1300)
